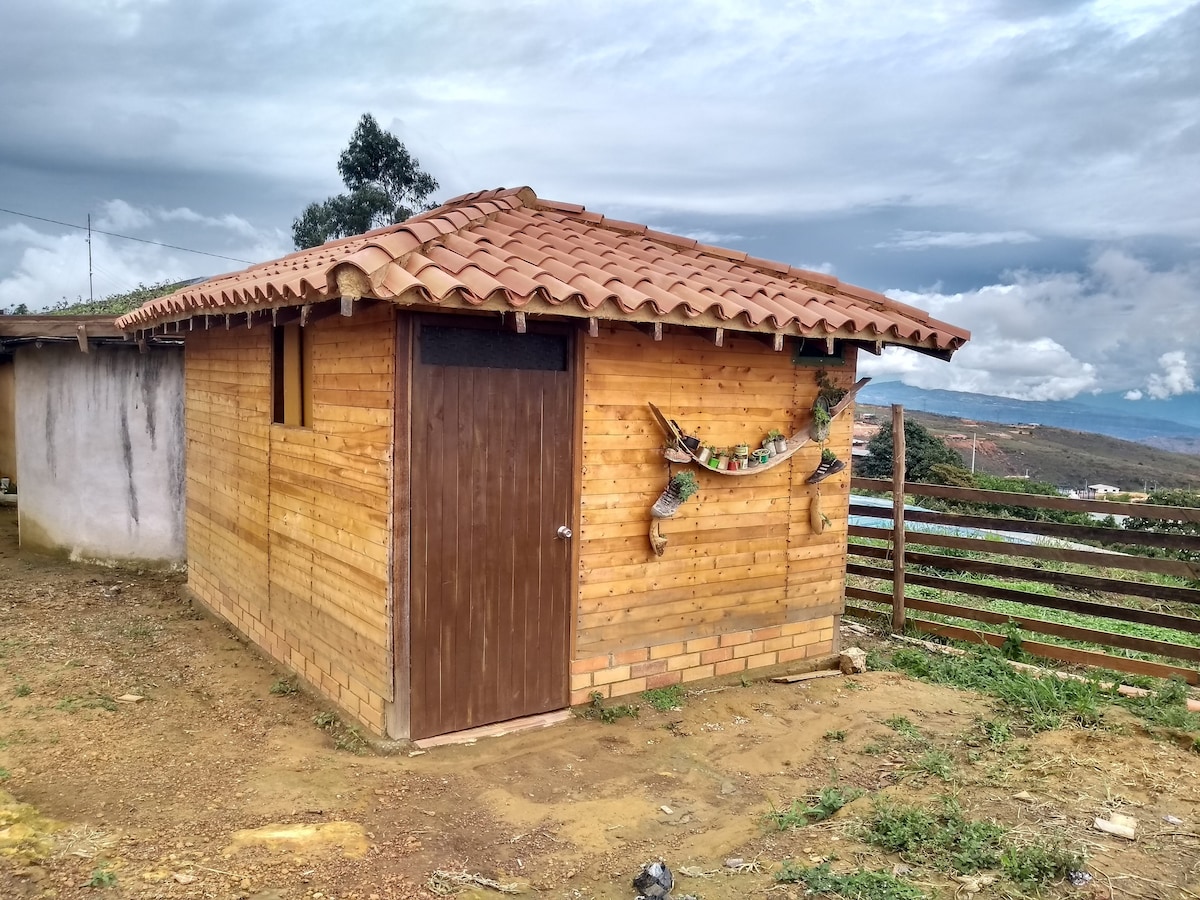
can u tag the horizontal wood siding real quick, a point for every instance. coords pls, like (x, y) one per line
(742, 556)
(290, 528)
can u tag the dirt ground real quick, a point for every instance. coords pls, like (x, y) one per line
(160, 797)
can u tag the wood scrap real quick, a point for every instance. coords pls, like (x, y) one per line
(805, 676)
(1118, 825)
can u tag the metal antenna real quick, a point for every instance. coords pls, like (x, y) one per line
(91, 294)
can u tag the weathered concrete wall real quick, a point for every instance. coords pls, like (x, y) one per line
(8, 421)
(100, 451)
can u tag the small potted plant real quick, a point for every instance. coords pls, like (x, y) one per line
(742, 451)
(704, 454)
(723, 460)
(830, 465)
(828, 391)
(779, 440)
(820, 419)
(682, 486)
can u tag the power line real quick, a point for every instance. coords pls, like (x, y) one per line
(124, 237)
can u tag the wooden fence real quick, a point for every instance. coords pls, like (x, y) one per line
(1128, 596)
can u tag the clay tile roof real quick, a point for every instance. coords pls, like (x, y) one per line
(510, 249)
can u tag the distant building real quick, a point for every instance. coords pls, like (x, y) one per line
(1099, 489)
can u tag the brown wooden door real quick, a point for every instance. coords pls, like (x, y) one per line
(491, 482)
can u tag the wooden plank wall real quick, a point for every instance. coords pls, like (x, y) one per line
(289, 529)
(742, 560)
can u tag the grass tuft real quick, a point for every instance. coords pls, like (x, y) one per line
(861, 884)
(935, 762)
(903, 726)
(815, 808)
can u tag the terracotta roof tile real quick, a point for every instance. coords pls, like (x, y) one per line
(511, 248)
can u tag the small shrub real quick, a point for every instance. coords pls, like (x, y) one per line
(325, 720)
(861, 884)
(102, 877)
(283, 687)
(839, 735)
(997, 731)
(23, 690)
(5, 774)
(665, 699)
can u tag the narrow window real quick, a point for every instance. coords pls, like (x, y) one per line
(291, 376)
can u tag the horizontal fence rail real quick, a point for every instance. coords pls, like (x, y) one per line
(959, 586)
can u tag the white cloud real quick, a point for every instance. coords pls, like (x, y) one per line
(1175, 377)
(1134, 394)
(923, 240)
(1042, 336)
(121, 216)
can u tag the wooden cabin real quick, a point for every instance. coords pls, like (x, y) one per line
(421, 461)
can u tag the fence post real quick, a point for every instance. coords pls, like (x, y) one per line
(898, 458)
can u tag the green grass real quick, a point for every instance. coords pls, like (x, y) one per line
(1044, 702)
(904, 727)
(816, 808)
(839, 735)
(5, 774)
(665, 699)
(23, 690)
(74, 704)
(861, 884)
(943, 839)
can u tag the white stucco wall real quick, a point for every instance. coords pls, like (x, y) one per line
(100, 451)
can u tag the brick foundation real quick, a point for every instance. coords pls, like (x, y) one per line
(633, 671)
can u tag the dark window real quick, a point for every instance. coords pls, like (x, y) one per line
(291, 376)
(485, 348)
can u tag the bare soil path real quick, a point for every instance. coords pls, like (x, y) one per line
(159, 797)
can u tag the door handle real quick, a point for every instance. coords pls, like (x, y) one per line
(564, 533)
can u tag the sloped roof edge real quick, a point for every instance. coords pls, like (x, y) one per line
(510, 249)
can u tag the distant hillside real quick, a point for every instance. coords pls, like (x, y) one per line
(1172, 424)
(1069, 459)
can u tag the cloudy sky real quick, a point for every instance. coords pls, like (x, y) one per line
(1029, 169)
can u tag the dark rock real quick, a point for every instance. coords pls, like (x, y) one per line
(654, 881)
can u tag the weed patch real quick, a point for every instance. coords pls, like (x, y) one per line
(1040, 703)
(942, 839)
(839, 736)
(23, 690)
(665, 699)
(607, 714)
(1034, 865)
(861, 884)
(935, 762)
(345, 737)
(816, 808)
(283, 687)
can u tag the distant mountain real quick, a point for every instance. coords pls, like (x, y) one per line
(1172, 424)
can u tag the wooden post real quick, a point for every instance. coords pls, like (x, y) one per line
(898, 454)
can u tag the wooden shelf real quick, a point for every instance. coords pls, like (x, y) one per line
(798, 440)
